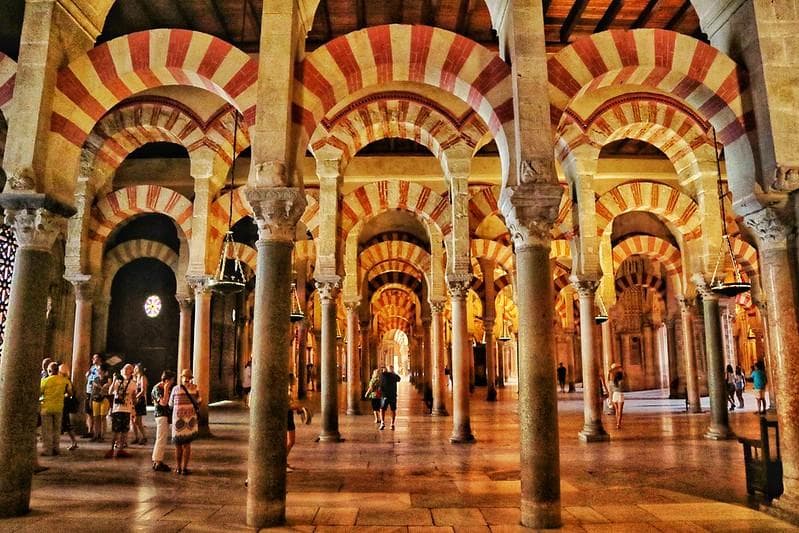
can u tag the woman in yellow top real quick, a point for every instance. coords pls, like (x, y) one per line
(53, 388)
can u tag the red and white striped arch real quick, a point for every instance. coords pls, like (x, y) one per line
(745, 254)
(395, 265)
(393, 250)
(397, 53)
(485, 203)
(494, 251)
(8, 75)
(662, 60)
(652, 247)
(305, 251)
(672, 205)
(559, 248)
(374, 198)
(647, 280)
(94, 83)
(128, 251)
(671, 126)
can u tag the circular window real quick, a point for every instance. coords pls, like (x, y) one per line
(152, 306)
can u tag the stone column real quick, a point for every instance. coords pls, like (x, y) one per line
(81, 342)
(767, 355)
(427, 371)
(328, 291)
(489, 313)
(184, 333)
(366, 357)
(99, 335)
(201, 365)
(461, 424)
(719, 417)
(691, 377)
(671, 347)
(592, 431)
(353, 362)
(438, 356)
(36, 229)
(500, 363)
(777, 280)
(276, 210)
(607, 360)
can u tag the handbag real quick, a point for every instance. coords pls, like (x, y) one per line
(70, 402)
(191, 399)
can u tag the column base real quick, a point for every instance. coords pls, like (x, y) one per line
(353, 412)
(593, 433)
(719, 433)
(439, 412)
(266, 513)
(15, 503)
(491, 395)
(572, 388)
(694, 409)
(333, 436)
(466, 438)
(541, 515)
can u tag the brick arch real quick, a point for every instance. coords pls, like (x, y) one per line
(503, 255)
(399, 52)
(485, 203)
(646, 280)
(393, 278)
(702, 76)
(8, 76)
(668, 124)
(92, 84)
(650, 246)
(117, 206)
(667, 202)
(403, 115)
(559, 248)
(305, 250)
(129, 251)
(374, 198)
(387, 250)
(399, 266)
(745, 254)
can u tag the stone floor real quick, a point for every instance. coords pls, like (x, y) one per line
(656, 474)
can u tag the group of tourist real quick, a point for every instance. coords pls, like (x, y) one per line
(123, 398)
(382, 392)
(736, 384)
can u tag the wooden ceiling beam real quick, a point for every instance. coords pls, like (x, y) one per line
(610, 15)
(360, 13)
(679, 15)
(645, 15)
(220, 20)
(572, 19)
(462, 22)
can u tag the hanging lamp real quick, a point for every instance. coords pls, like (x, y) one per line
(602, 316)
(504, 335)
(296, 310)
(717, 284)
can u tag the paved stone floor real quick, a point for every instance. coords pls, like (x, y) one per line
(657, 474)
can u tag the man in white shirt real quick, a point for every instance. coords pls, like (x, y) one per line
(123, 391)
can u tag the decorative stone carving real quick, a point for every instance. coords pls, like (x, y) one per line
(22, 180)
(277, 211)
(536, 170)
(437, 306)
(530, 211)
(686, 303)
(327, 289)
(35, 229)
(703, 287)
(352, 307)
(270, 173)
(770, 229)
(198, 284)
(458, 285)
(584, 287)
(84, 286)
(328, 168)
(185, 302)
(786, 179)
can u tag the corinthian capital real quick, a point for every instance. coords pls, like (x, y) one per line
(36, 228)
(458, 284)
(352, 307)
(530, 211)
(584, 287)
(769, 227)
(703, 287)
(277, 211)
(686, 303)
(84, 286)
(198, 284)
(437, 306)
(328, 289)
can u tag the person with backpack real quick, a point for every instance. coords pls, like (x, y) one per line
(374, 394)
(185, 403)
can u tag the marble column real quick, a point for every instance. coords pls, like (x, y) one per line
(719, 417)
(501, 366)
(366, 358)
(184, 332)
(35, 229)
(691, 377)
(81, 343)
(100, 311)
(777, 277)
(201, 365)
(491, 360)
(461, 423)
(328, 291)
(276, 210)
(607, 360)
(767, 355)
(671, 347)
(353, 362)
(302, 359)
(427, 370)
(438, 355)
(592, 431)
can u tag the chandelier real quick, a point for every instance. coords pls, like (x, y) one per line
(296, 310)
(602, 316)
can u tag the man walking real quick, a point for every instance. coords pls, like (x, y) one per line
(388, 386)
(562, 377)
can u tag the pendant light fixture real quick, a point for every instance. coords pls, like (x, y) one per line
(296, 310)
(718, 284)
(505, 333)
(602, 316)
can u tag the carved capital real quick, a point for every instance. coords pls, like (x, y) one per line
(269, 173)
(686, 303)
(328, 168)
(198, 284)
(277, 211)
(530, 211)
(770, 229)
(185, 302)
(21, 180)
(352, 307)
(84, 286)
(458, 285)
(328, 289)
(785, 179)
(437, 306)
(703, 287)
(36, 228)
(584, 287)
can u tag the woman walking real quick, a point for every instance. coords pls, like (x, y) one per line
(729, 378)
(139, 437)
(374, 394)
(740, 385)
(163, 417)
(185, 403)
(617, 394)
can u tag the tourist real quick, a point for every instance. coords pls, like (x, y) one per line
(740, 385)
(388, 389)
(729, 379)
(123, 391)
(163, 417)
(759, 385)
(562, 377)
(101, 403)
(374, 394)
(69, 408)
(45, 365)
(140, 408)
(91, 374)
(53, 389)
(617, 394)
(311, 378)
(185, 403)
(246, 382)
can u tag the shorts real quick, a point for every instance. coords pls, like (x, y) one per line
(141, 407)
(760, 394)
(290, 421)
(389, 402)
(617, 397)
(376, 402)
(120, 422)
(100, 408)
(87, 405)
